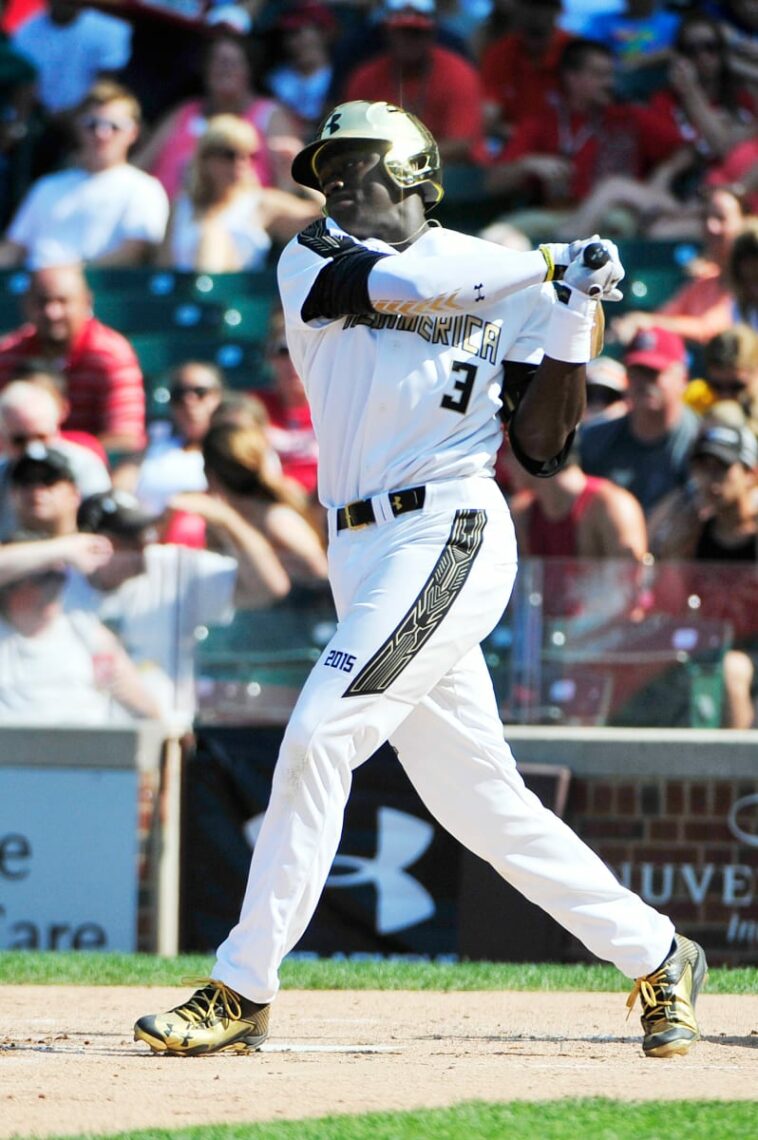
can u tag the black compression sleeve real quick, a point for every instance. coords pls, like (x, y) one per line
(341, 288)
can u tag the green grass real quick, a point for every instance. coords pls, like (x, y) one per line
(595, 1119)
(81, 968)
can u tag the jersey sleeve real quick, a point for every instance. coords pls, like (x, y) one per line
(413, 283)
(323, 275)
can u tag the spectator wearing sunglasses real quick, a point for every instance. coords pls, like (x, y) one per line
(44, 494)
(30, 414)
(712, 109)
(730, 362)
(173, 462)
(226, 221)
(102, 210)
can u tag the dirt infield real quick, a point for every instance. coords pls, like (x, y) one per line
(68, 1063)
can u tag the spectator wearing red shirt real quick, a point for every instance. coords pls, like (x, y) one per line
(103, 376)
(436, 84)
(520, 69)
(704, 100)
(584, 141)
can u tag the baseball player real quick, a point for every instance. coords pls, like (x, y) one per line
(411, 341)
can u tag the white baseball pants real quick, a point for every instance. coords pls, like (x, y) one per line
(415, 596)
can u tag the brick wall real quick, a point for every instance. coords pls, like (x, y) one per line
(689, 847)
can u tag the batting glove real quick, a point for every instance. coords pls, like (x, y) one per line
(559, 255)
(584, 275)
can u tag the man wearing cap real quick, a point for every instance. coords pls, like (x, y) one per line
(607, 388)
(30, 414)
(60, 667)
(106, 392)
(154, 594)
(716, 521)
(43, 492)
(431, 81)
(730, 363)
(647, 450)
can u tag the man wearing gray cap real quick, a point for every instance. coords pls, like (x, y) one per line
(724, 464)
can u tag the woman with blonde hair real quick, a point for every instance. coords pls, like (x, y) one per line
(225, 221)
(239, 469)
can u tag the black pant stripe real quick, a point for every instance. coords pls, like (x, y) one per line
(433, 602)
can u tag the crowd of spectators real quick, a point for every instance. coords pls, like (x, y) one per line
(133, 135)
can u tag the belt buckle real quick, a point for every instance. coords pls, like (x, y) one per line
(349, 523)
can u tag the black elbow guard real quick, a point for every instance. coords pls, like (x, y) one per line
(341, 288)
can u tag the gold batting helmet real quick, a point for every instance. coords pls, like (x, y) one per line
(409, 152)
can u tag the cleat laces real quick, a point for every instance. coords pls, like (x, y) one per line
(652, 993)
(214, 1001)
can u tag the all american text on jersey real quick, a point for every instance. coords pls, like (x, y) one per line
(472, 334)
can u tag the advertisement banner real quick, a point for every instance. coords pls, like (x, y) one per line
(68, 859)
(395, 885)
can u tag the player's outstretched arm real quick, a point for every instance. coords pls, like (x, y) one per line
(412, 283)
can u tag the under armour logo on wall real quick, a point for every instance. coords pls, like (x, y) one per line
(401, 839)
(332, 124)
(742, 820)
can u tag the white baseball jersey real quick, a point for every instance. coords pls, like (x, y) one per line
(405, 393)
(410, 395)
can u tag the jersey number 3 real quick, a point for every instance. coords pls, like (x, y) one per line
(458, 399)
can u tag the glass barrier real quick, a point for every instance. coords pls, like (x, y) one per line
(581, 643)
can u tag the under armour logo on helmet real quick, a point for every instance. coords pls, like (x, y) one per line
(332, 124)
(401, 839)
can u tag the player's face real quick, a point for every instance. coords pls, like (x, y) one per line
(360, 195)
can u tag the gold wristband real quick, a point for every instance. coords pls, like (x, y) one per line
(548, 262)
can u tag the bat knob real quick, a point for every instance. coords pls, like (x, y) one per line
(595, 255)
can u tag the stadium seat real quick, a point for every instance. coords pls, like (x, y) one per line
(655, 270)
(277, 645)
(130, 313)
(466, 206)
(13, 284)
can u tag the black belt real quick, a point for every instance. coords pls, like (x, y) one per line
(361, 513)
